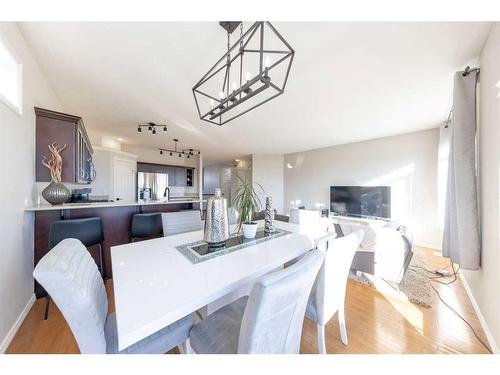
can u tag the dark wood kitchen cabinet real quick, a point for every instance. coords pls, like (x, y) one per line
(180, 177)
(69, 130)
(184, 176)
(177, 175)
(189, 177)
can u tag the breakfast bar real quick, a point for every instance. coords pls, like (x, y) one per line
(116, 220)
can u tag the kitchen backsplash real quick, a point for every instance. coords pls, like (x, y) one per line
(181, 191)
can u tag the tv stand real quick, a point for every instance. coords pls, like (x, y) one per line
(386, 248)
(359, 220)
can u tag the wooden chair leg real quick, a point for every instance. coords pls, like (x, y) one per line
(343, 328)
(47, 303)
(321, 338)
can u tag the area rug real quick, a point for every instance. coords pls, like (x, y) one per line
(415, 285)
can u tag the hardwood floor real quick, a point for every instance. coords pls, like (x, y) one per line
(377, 322)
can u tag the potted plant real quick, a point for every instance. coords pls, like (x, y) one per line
(246, 201)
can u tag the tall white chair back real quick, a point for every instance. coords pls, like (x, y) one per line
(274, 314)
(181, 222)
(294, 216)
(232, 215)
(304, 217)
(69, 274)
(328, 294)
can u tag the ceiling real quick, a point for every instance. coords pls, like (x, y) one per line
(349, 81)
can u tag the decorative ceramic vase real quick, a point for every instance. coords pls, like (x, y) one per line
(269, 216)
(249, 229)
(56, 193)
(216, 222)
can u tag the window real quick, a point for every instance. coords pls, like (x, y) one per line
(11, 84)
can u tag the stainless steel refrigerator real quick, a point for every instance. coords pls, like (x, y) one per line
(152, 186)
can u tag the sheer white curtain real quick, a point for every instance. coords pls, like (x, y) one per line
(442, 170)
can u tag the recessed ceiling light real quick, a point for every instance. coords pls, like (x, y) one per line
(120, 139)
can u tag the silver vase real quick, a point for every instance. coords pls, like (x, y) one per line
(56, 193)
(269, 216)
(216, 221)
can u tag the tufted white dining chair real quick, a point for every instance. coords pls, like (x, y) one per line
(305, 218)
(232, 215)
(269, 321)
(328, 293)
(181, 222)
(294, 216)
(69, 274)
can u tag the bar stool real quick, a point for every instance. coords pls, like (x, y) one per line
(145, 226)
(87, 231)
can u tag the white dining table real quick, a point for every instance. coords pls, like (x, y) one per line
(156, 285)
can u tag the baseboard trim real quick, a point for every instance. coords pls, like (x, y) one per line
(482, 321)
(427, 245)
(7, 340)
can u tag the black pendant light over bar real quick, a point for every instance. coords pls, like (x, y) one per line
(186, 152)
(253, 71)
(151, 128)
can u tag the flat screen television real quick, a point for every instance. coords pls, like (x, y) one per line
(361, 201)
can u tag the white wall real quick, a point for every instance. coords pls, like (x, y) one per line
(17, 150)
(407, 163)
(484, 284)
(267, 170)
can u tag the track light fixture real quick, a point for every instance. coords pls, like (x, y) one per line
(191, 151)
(151, 126)
(186, 152)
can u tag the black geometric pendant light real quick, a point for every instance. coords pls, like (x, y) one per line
(253, 71)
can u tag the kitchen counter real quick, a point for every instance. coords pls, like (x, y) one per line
(73, 206)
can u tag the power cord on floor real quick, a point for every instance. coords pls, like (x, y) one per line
(440, 276)
(437, 274)
(436, 278)
(461, 317)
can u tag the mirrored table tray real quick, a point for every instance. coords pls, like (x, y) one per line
(200, 251)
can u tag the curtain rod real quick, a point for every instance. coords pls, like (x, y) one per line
(468, 70)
